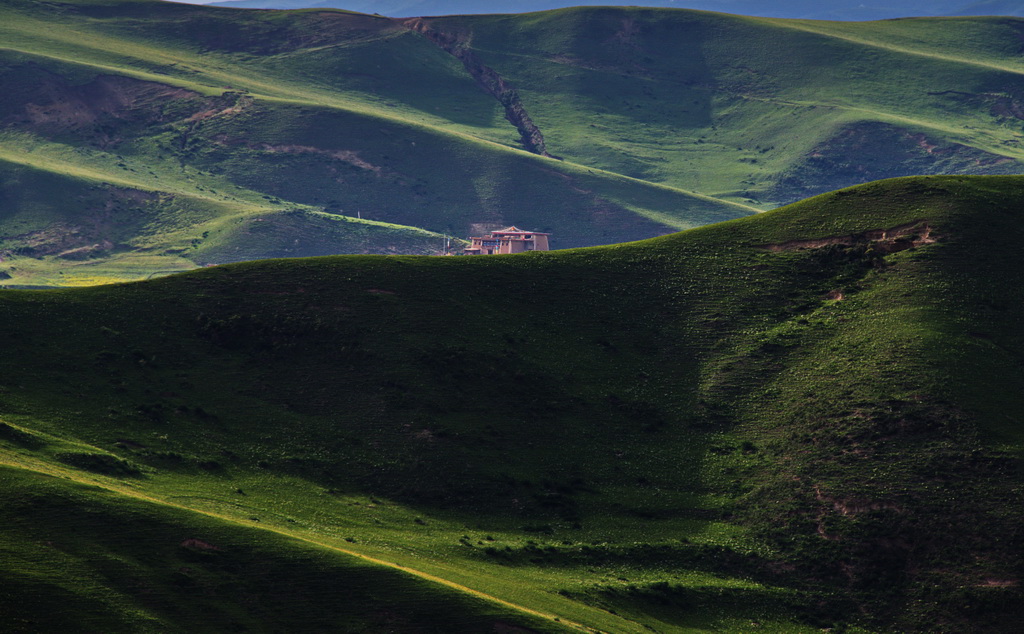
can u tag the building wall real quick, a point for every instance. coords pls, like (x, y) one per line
(512, 246)
(502, 243)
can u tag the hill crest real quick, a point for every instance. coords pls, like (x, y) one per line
(786, 418)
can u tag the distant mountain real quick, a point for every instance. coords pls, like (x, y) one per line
(809, 9)
(993, 7)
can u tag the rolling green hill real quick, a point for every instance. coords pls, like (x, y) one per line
(993, 7)
(804, 419)
(217, 135)
(213, 120)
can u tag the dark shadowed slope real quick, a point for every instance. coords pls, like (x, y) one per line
(807, 419)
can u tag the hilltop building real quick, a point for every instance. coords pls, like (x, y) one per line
(508, 240)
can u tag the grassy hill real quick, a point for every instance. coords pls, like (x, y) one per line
(803, 419)
(992, 7)
(226, 118)
(219, 135)
(760, 110)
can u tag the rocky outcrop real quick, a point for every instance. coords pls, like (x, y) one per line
(914, 234)
(488, 79)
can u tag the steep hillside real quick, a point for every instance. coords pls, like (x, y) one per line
(804, 419)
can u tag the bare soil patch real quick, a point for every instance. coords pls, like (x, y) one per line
(899, 238)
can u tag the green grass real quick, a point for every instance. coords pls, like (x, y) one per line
(680, 434)
(241, 114)
(740, 108)
(166, 577)
(663, 120)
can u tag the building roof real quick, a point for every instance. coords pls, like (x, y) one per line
(514, 229)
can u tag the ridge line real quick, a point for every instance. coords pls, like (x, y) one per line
(144, 497)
